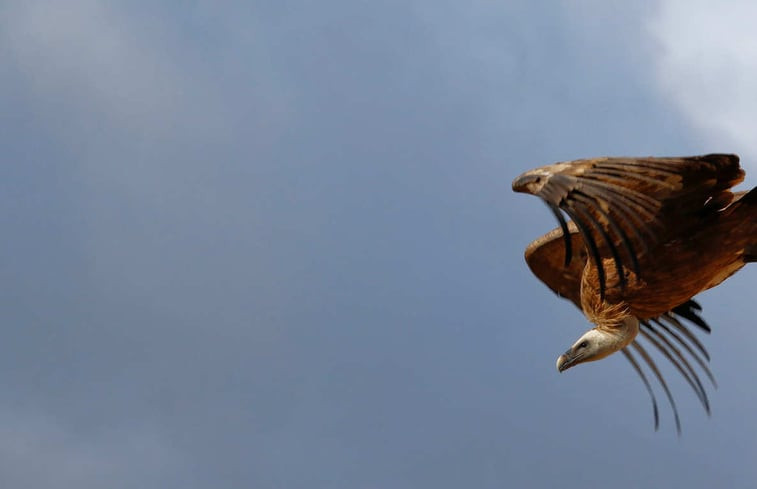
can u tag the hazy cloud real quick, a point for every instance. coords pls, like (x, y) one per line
(705, 65)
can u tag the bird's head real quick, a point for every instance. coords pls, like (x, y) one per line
(599, 342)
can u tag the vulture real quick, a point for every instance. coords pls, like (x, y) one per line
(642, 237)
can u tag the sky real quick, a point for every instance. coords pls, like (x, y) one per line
(273, 244)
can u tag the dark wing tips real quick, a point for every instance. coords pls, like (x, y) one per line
(653, 367)
(637, 367)
(690, 310)
(724, 163)
(723, 167)
(667, 335)
(720, 160)
(678, 360)
(565, 233)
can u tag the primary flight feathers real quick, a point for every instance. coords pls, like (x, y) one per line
(645, 236)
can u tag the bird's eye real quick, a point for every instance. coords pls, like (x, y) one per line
(583, 344)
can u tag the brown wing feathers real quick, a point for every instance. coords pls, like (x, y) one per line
(623, 206)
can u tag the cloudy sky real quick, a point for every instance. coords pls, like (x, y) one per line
(272, 244)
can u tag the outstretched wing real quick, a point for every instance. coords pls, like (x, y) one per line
(669, 334)
(624, 206)
(544, 257)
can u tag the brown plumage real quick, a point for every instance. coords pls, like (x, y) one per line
(646, 235)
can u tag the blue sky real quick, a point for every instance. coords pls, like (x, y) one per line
(273, 244)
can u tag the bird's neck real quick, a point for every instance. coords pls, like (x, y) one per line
(616, 335)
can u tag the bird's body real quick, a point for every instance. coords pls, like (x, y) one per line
(646, 236)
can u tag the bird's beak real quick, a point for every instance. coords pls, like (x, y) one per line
(565, 361)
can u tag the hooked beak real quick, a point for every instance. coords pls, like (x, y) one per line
(565, 361)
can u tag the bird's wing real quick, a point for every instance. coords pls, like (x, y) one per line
(544, 257)
(624, 206)
(669, 334)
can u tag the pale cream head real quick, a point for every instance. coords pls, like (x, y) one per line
(599, 342)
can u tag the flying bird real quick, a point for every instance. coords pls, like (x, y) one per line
(642, 238)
